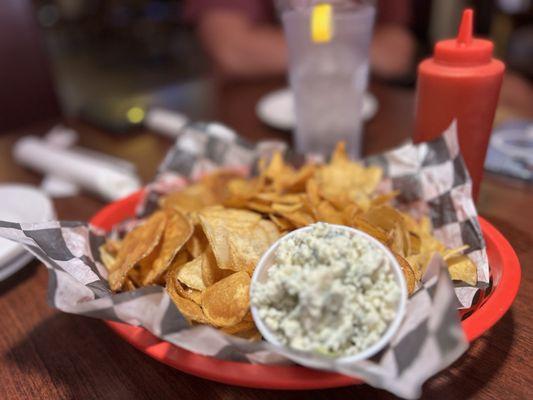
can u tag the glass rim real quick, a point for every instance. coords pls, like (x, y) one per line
(338, 5)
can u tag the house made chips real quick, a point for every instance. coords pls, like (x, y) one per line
(205, 241)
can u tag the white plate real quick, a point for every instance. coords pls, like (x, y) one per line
(17, 264)
(277, 110)
(20, 203)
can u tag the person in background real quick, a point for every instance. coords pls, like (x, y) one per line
(244, 38)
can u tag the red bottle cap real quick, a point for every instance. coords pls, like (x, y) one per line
(464, 49)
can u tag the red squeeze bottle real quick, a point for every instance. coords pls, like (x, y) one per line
(462, 81)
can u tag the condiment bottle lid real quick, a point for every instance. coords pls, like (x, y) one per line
(464, 49)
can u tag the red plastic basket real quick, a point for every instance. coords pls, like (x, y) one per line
(505, 280)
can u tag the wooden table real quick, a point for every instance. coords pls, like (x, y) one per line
(48, 354)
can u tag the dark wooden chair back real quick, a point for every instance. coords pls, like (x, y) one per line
(27, 92)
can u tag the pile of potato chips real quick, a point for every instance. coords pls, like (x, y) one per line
(204, 241)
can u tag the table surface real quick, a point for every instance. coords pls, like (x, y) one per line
(52, 355)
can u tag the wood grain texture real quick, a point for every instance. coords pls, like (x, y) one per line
(45, 354)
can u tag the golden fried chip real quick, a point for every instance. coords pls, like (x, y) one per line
(298, 218)
(415, 242)
(285, 208)
(235, 236)
(414, 262)
(313, 194)
(279, 198)
(177, 232)
(296, 182)
(240, 191)
(408, 273)
(226, 302)
(242, 326)
(270, 229)
(461, 268)
(343, 181)
(397, 240)
(450, 253)
(325, 212)
(128, 285)
(276, 167)
(188, 293)
(259, 206)
(372, 230)
(217, 183)
(107, 258)
(252, 335)
(136, 245)
(281, 223)
(143, 267)
(197, 244)
(190, 274)
(112, 246)
(188, 308)
(385, 217)
(210, 271)
(384, 198)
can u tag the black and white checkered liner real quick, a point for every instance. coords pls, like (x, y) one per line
(432, 179)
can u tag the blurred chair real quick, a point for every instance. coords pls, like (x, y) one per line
(26, 87)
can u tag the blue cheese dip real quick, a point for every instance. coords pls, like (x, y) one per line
(328, 292)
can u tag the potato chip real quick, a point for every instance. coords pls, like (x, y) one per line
(279, 198)
(270, 230)
(177, 232)
(143, 267)
(313, 194)
(325, 212)
(211, 273)
(414, 262)
(408, 273)
(188, 293)
(128, 285)
(276, 167)
(384, 198)
(415, 242)
(296, 182)
(190, 274)
(282, 223)
(240, 191)
(461, 268)
(285, 208)
(112, 246)
(192, 198)
(235, 237)
(242, 326)
(197, 244)
(188, 308)
(341, 180)
(107, 258)
(297, 218)
(259, 206)
(217, 183)
(449, 253)
(252, 335)
(397, 240)
(372, 230)
(136, 245)
(226, 302)
(384, 217)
